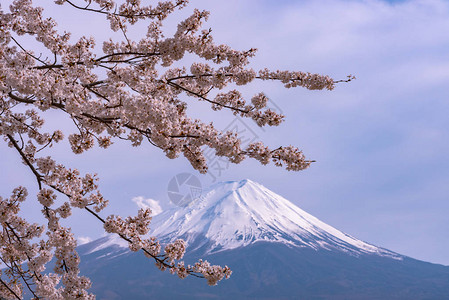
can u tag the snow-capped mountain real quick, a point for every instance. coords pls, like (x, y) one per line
(275, 250)
(234, 214)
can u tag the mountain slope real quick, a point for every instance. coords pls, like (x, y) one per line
(268, 271)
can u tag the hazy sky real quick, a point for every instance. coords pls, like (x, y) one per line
(381, 142)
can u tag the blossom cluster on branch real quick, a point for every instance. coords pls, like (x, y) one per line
(127, 90)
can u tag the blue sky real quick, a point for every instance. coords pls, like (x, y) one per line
(381, 142)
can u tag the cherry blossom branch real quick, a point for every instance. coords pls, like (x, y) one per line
(9, 289)
(204, 98)
(27, 52)
(100, 60)
(26, 160)
(21, 274)
(86, 8)
(349, 77)
(161, 261)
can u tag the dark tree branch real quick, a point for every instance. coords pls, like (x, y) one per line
(10, 290)
(27, 161)
(86, 8)
(175, 85)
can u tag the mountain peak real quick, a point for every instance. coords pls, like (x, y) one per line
(232, 185)
(234, 214)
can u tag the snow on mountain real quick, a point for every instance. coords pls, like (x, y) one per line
(106, 242)
(109, 246)
(232, 214)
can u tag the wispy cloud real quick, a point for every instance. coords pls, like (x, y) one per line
(148, 203)
(83, 240)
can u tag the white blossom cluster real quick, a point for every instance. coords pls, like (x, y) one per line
(213, 274)
(124, 89)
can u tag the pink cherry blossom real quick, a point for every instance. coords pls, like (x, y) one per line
(116, 89)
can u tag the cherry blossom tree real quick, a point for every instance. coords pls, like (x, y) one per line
(125, 89)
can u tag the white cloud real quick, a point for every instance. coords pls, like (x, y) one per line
(83, 240)
(148, 203)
